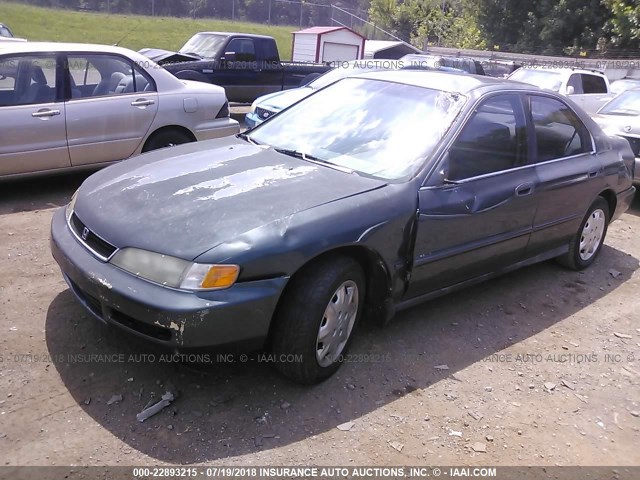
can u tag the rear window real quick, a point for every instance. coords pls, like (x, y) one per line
(593, 84)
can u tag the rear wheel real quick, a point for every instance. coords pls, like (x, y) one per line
(166, 138)
(316, 319)
(586, 244)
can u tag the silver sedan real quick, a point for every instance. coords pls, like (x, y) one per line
(66, 106)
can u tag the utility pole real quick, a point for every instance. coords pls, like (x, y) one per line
(269, 18)
(153, 8)
(301, 4)
(233, 10)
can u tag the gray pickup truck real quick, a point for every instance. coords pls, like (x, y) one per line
(247, 66)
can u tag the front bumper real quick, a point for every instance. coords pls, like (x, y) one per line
(240, 315)
(220, 127)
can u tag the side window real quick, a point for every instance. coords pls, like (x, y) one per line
(269, 51)
(95, 75)
(575, 81)
(559, 131)
(593, 84)
(27, 80)
(243, 48)
(492, 140)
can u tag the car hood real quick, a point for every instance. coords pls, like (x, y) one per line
(161, 56)
(280, 100)
(185, 200)
(618, 124)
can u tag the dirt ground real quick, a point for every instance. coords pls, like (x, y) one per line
(540, 367)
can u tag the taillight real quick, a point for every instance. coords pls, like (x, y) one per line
(224, 111)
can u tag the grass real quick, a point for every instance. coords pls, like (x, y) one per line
(130, 31)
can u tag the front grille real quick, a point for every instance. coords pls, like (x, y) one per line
(263, 113)
(93, 242)
(635, 145)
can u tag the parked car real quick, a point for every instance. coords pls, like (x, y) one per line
(246, 65)
(268, 105)
(499, 68)
(588, 88)
(621, 116)
(622, 84)
(468, 65)
(66, 106)
(372, 195)
(6, 35)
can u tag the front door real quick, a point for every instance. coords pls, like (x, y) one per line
(477, 219)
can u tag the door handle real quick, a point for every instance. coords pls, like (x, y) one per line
(593, 173)
(524, 189)
(142, 102)
(45, 113)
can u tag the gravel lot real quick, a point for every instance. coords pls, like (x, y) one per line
(539, 367)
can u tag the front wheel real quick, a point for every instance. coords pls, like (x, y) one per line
(587, 242)
(316, 319)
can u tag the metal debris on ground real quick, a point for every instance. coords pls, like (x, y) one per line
(396, 446)
(622, 335)
(166, 400)
(115, 399)
(479, 447)
(441, 367)
(346, 427)
(614, 273)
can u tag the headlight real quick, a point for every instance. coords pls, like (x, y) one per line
(71, 206)
(253, 106)
(175, 272)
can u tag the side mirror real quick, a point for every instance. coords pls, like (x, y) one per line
(570, 90)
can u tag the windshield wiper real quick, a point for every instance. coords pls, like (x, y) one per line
(247, 138)
(310, 158)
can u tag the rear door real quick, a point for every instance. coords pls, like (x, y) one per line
(477, 219)
(111, 107)
(568, 170)
(32, 114)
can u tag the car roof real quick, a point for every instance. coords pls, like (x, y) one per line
(230, 34)
(562, 70)
(44, 47)
(447, 82)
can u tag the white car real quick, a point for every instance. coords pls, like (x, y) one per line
(587, 88)
(65, 106)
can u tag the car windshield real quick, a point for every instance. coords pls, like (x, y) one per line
(376, 128)
(351, 68)
(620, 86)
(541, 78)
(5, 32)
(627, 103)
(206, 45)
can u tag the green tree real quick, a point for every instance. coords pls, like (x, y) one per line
(623, 26)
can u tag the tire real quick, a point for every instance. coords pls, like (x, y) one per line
(304, 319)
(587, 242)
(166, 138)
